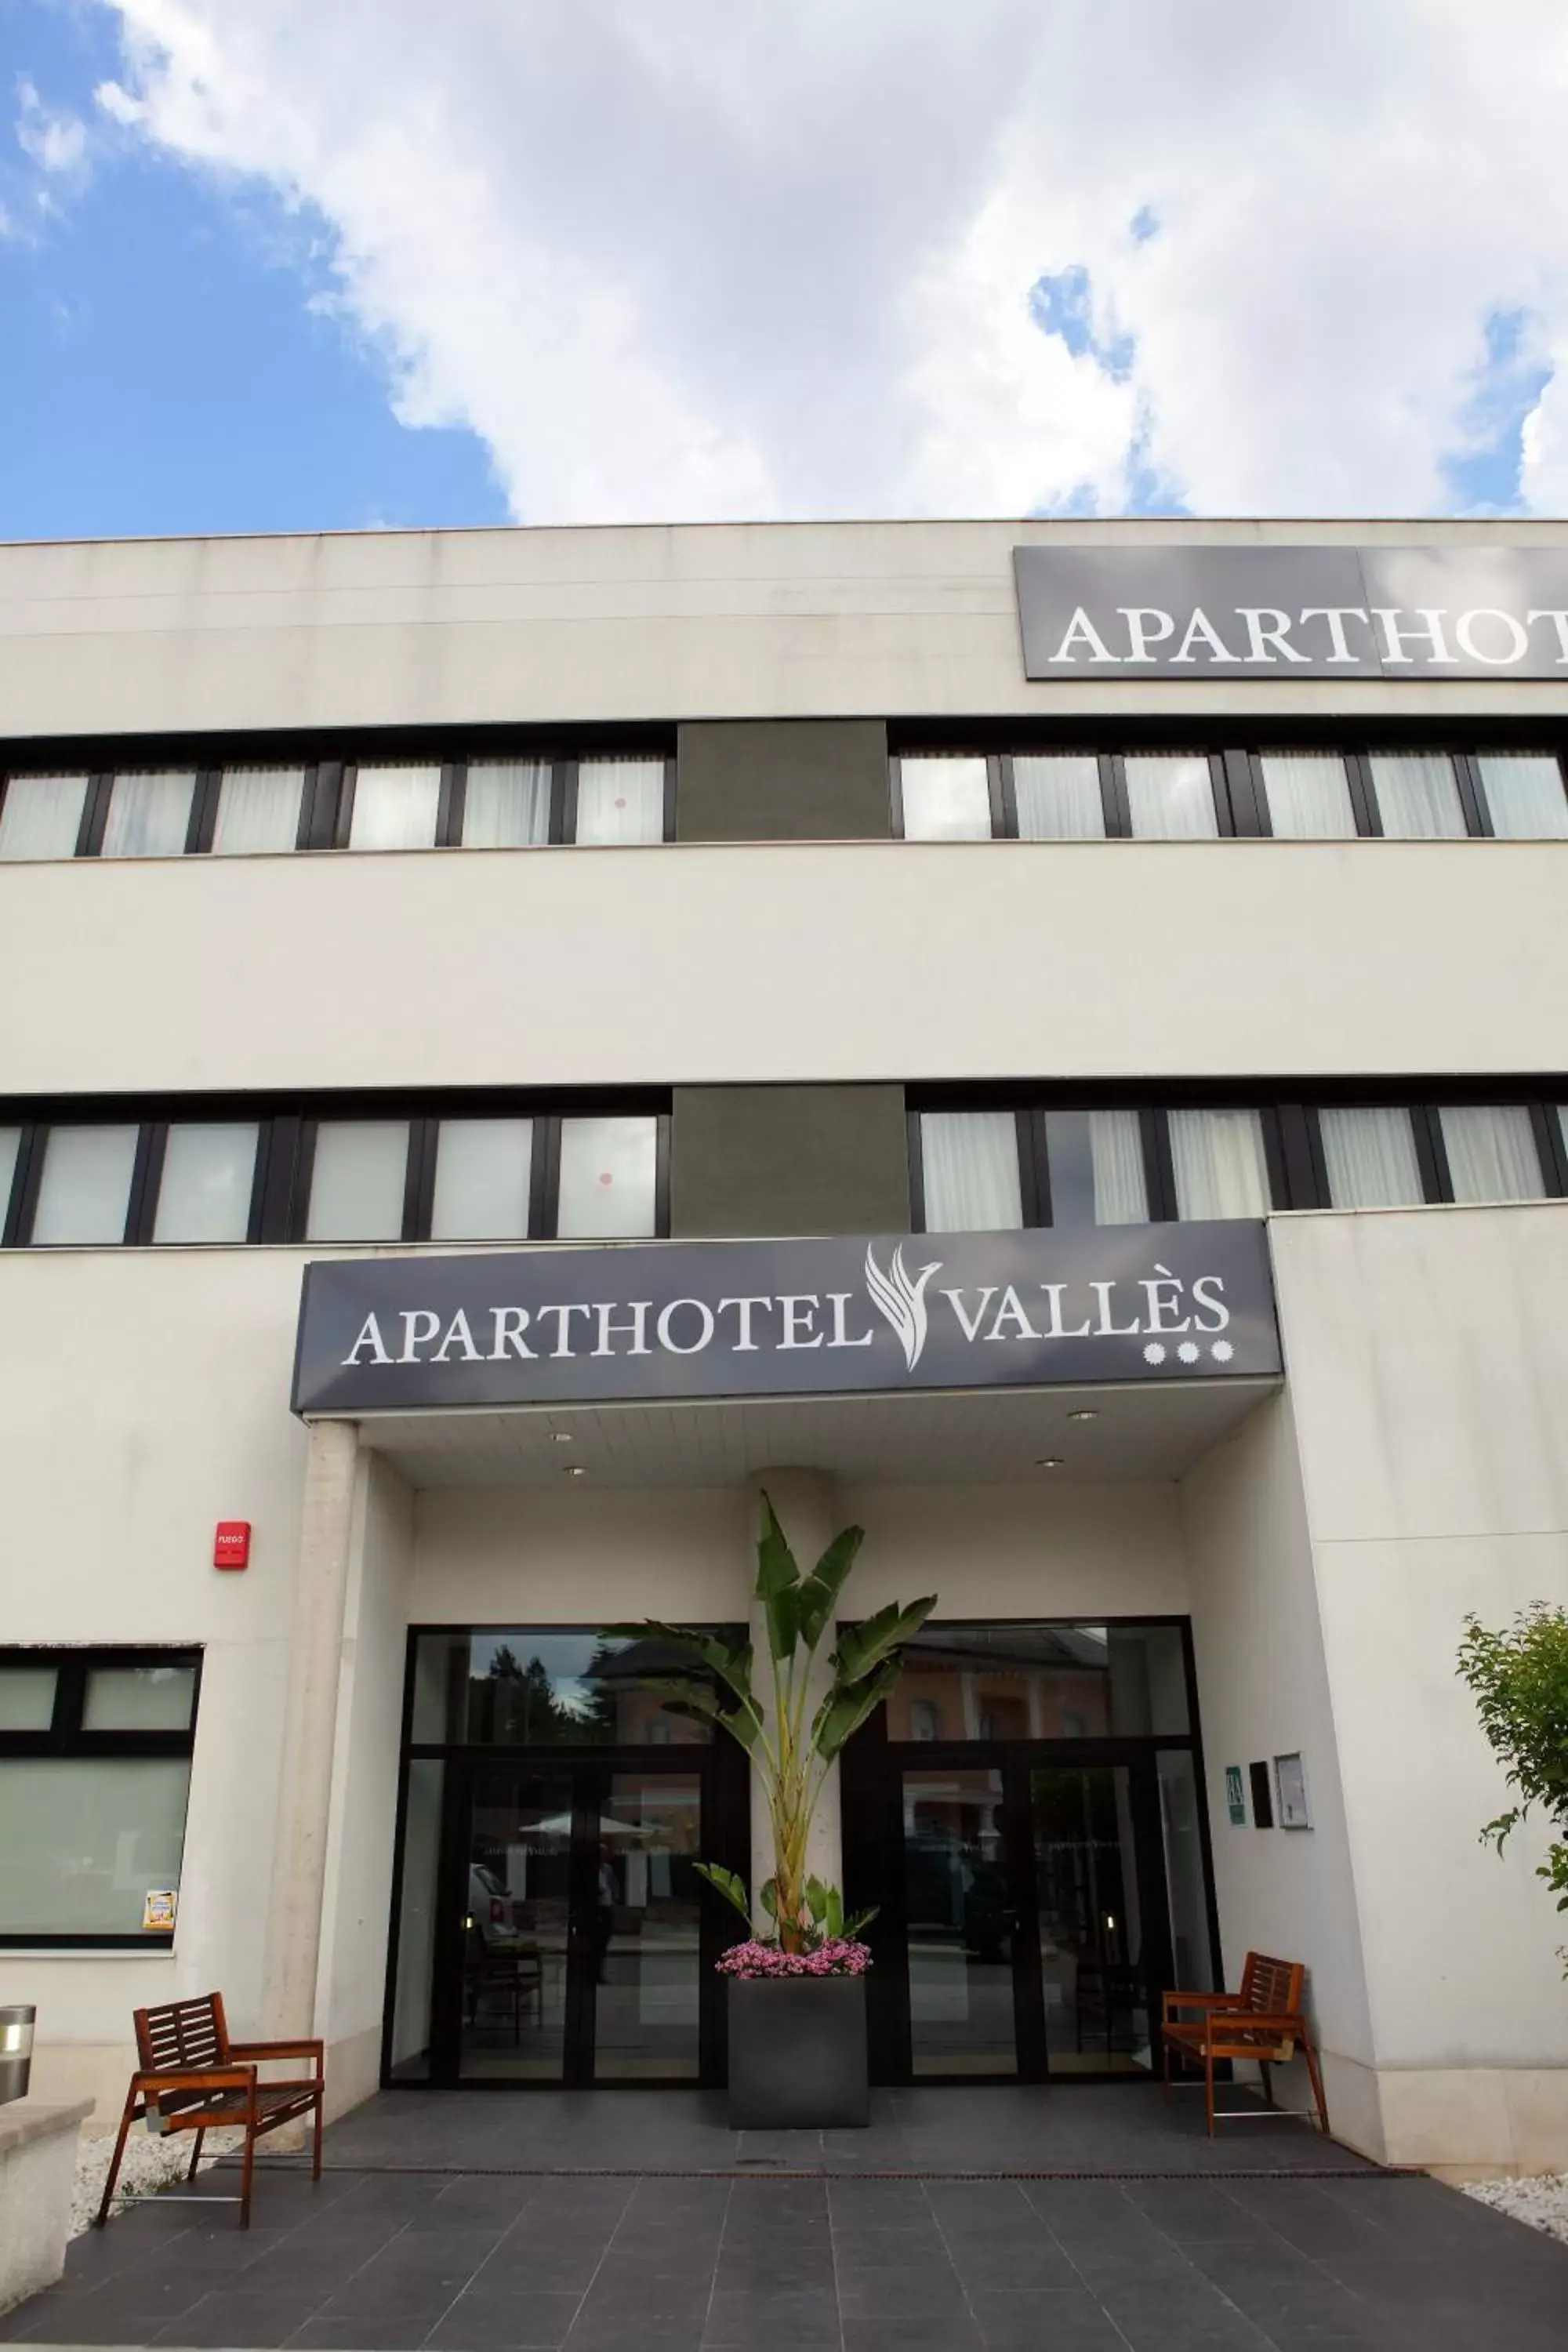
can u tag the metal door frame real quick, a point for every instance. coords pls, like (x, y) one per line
(872, 1800)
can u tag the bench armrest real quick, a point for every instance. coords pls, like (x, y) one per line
(259, 2050)
(176, 2082)
(1175, 2000)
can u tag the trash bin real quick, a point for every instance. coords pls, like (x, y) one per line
(16, 2023)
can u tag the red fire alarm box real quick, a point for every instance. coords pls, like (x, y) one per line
(231, 1545)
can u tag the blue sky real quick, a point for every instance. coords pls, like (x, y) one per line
(161, 370)
(341, 264)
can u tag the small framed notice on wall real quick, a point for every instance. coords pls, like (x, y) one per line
(1235, 1799)
(1290, 1778)
(158, 1909)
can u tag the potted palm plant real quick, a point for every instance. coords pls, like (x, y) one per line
(796, 1998)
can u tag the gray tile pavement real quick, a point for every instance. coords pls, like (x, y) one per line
(1319, 2254)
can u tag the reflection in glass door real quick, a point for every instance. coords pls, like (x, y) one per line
(961, 1923)
(1092, 1953)
(516, 1919)
(646, 1928)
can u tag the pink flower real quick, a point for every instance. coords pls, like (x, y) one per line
(835, 1955)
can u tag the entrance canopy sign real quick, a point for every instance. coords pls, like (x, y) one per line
(673, 1320)
(1294, 611)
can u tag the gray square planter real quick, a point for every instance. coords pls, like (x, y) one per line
(797, 2054)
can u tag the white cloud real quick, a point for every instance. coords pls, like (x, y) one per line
(717, 258)
(56, 143)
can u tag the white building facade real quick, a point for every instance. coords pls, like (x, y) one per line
(620, 963)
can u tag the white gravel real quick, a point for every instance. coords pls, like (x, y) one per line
(1541, 2200)
(150, 2162)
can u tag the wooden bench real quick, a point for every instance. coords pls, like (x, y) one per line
(1263, 2021)
(192, 2078)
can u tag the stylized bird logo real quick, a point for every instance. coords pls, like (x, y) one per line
(901, 1299)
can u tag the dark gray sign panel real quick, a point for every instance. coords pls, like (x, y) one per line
(787, 1319)
(1294, 611)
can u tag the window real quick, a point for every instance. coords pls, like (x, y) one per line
(208, 1175)
(608, 1183)
(1524, 795)
(258, 810)
(1094, 1160)
(394, 807)
(1218, 1162)
(1491, 1154)
(85, 1193)
(1309, 797)
(1417, 795)
(358, 1178)
(527, 1686)
(10, 1151)
(1057, 797)
(1170, 797)
(95, 1767)
(506, 805)
(483, 1175)
(1369, 1159)
(40, 816)
(149, 813)
(1041, 1681)
(619, 801)
(946, 797)
(970, 1178)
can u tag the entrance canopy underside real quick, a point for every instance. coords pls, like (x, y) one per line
(1141, 1431)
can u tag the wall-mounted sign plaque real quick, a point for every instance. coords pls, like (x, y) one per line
(670, 1320)
(1294, 611)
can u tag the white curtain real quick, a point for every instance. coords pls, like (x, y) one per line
(258, 810)
(1491, 1154)
(203, 1192)
(1309, 797)
(357, 1181)
(1057, 797)
(1524, 794)
(482, 1169)
(1219, 1164)
(1170, 796)
(969, 1171)
(1417, 795)
(149, 814)
(608, 1179)
(506, 805)
(1369, 1158)
(40, 816)
(945, 799)
(620, 800)
(1120, 1192)
(394, 808)
(86, 1186)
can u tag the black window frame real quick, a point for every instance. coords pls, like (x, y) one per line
(64, 1737)
(1291, 1131)
(286, 1128)
(331, 764)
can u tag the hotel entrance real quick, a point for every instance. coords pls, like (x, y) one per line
(550, 1929)
(1027, 1821)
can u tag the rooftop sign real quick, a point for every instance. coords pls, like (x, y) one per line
(671, 1319)
(1294, 611)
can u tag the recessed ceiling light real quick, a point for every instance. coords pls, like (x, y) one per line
(575, 1470)
(561, 1437)
(1085, 1413)
(1049, 1462)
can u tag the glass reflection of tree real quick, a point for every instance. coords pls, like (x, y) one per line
(527, 1710)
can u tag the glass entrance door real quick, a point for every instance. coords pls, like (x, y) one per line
(551, 1929)
(1034, 1915)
